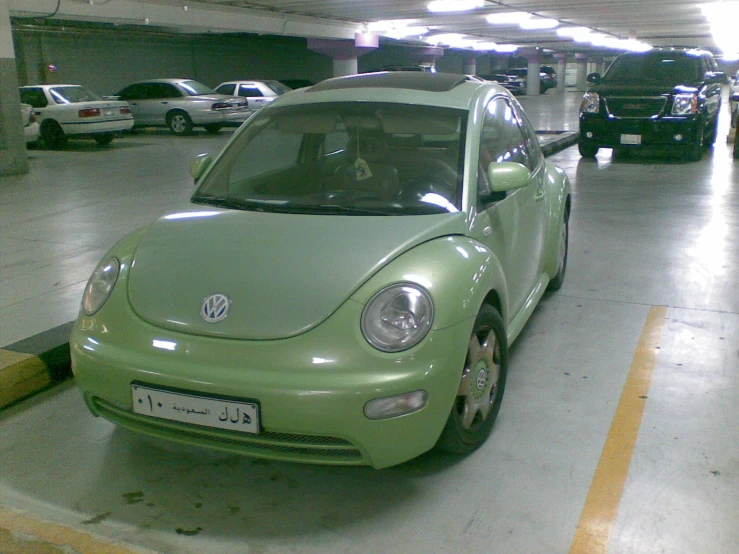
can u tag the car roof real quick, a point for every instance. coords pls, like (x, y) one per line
(50, 86)
(431, 89)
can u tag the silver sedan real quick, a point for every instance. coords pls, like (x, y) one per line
(182, 104)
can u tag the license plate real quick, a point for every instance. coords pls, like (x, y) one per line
(108, 112)
(630, 139)
(198, 410)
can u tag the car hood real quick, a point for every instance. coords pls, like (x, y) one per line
(606, 89)
(284, 273)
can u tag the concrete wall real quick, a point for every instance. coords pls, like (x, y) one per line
(106, 61)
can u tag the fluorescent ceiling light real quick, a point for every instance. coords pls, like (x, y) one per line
(538, 24)
(454, 40)
(397, 28)
(722, 17)
(507, 18)
(485, 46)
(573, 31)
(454, 5)
(506, 48)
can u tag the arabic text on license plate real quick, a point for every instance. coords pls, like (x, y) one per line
(630, 139)
(198, 410)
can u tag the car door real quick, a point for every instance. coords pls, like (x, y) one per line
(514, 226)
(255, 96)
(160, 98)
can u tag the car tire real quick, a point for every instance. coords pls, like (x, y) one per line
(711, 140)
(105, 139)
(736, 150)
(179, 123)
(213, 128)
(481, 386)
(694, 151)
(564, 245)
(587, 149)
(53, 135)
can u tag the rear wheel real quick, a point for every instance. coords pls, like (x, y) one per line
(481, 386)
(179, 123)
(587, 149)
(53, 135)
(213, 128)
(564, 241)
(105, 139)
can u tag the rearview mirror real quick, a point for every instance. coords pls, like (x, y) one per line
(199, 165)
(506, 176)
(593, 78)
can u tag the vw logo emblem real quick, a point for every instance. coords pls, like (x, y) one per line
(215, 308)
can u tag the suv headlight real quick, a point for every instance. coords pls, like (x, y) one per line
(100, 285)
(590, 103)
(685, 104)
(398, 317)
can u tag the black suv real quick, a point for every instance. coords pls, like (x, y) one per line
(666, 97)
(547, 76)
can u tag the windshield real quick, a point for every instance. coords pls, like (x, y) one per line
(351, 158)
(194, 88)
(72, 95)
(662, 68)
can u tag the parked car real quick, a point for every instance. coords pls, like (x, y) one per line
(30, 124)
(346, 283)
(516, 85)
(666, 97)
(182, 104)
(734, 105)
(72, 111)
(257, 93)
(547, 76)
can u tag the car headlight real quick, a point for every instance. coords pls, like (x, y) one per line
(590, 103)
(100, 285)
(398, 317)
(685, 104)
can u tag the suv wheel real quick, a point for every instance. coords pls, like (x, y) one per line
(694, 151)
(587, 149)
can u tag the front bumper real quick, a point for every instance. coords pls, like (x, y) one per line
(311, 389)
(607, 132)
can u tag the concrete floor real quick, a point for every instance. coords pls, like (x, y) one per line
(645, 232)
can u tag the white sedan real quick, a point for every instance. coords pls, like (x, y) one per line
(30, 125)
(257, 93)
(72, 111)
(734, 100)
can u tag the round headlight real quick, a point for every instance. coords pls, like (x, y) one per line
(100, 285)
(398, 317)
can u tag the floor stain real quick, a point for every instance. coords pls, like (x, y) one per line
(133, 497)
(97, 519)
(189, 532)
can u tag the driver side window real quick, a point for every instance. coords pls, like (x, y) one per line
(501, 141)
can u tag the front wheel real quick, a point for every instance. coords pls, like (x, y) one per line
(179, 123)
(736, 149)
(481, 386)
(213, 128)
(587, 149)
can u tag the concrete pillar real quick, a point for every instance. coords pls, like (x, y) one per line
(561, 58)
(469, 64)
(344, 52)
(13, 158)
(582, 71)
(533, 84)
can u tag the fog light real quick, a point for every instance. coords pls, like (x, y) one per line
(678, 137)
(589, 134)
(394, 406)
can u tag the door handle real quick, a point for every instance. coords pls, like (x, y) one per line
(165, 102)
(539, 195)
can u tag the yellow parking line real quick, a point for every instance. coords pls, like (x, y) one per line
(601, 505)
(24, 535)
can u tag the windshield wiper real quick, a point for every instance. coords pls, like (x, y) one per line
(329, 209)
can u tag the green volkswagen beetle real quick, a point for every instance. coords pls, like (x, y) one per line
(345, 284)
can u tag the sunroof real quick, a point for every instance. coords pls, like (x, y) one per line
(413, 80)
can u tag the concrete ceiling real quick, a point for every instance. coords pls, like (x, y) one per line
(656, 22)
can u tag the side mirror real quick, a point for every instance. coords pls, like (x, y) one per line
(593, 78)
(715, 77)
(505, 176)
(199, 165)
